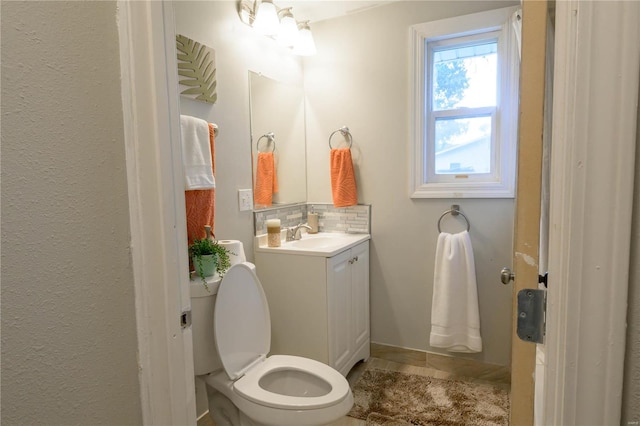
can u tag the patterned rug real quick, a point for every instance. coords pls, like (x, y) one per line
(391, 398)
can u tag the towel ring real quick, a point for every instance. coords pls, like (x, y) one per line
(344, 130)
(455, 211)
(270, 138)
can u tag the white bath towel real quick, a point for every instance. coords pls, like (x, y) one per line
(455, 317)
(196, 153)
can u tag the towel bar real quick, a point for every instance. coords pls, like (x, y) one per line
(455, 211)
(270, 138)
(344, 130)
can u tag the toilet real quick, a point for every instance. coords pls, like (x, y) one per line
(231, 340)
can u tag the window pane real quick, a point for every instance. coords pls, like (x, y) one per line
(465, 76)
(463, 145)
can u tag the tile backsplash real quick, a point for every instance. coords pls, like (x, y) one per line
(353, 219)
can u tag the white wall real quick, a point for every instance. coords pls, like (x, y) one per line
(68, 321)
(238, 50)
(360, 78)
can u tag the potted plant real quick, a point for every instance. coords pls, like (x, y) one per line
(208, 258)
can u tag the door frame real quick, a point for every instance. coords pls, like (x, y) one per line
(575, 388)
(157, 211)
(592, 178)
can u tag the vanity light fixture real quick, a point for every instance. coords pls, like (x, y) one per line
(269, 20)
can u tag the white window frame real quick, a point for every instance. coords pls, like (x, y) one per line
(500, 182)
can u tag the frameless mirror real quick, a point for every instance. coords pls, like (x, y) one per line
(277, 125)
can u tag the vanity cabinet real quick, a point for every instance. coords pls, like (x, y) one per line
(319, 305)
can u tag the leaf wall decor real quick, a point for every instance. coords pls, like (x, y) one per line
(197, 63)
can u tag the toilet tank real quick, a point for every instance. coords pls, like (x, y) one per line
(205, 355)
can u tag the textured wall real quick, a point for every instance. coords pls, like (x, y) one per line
(68, 320)
(631, 391)
(360, 78)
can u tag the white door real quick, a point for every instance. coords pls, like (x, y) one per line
(339, 309)
(360, 295)
(528, 190)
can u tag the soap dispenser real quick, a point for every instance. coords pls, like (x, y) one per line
(312, 221)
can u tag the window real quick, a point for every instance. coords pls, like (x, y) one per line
(465, 88)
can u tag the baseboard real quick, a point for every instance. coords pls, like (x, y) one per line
(461, 367)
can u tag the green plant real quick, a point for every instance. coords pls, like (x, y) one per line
(206, 246)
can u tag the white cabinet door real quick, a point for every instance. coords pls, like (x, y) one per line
(339, 306)
(360, 295)
(348, 307)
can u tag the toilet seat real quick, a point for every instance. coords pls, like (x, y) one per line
(249, 387)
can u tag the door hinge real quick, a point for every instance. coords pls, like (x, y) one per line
(185, 319)
(531, 314)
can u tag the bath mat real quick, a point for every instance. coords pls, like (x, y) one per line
(392, 398)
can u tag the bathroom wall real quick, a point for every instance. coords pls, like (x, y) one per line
(69, 345)
(360, 78)
(238, 51)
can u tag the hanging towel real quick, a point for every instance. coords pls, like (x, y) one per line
(455, 318)
(343, 179)
(200, 204)
(266, 179)
(196, 153)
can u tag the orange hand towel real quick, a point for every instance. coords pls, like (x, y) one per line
(200, 204)
(266, 179)
(343, 179)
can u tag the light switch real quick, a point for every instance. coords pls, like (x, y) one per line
(245, 199)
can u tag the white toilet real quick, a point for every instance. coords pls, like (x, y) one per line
(244, 386)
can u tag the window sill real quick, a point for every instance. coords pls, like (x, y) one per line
(463, 190)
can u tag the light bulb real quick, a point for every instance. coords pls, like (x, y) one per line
(305, 46)
(266, 22)
(288, 33)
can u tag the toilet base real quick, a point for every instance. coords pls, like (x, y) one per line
(221, 409)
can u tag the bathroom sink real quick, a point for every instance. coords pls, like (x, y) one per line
(319, 242)
(324, 244)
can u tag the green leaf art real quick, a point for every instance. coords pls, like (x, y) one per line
(196, 62)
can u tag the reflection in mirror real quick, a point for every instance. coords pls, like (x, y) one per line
(277, 125)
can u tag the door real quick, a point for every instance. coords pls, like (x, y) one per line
(339, 309)
(360, 295)
(528, 190)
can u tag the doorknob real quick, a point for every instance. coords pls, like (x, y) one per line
(506, 275)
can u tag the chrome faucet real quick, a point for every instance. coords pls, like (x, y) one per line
(293, 233)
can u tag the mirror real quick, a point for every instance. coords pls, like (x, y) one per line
(278, 108)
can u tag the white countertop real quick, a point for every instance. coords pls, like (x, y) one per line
(324, 244)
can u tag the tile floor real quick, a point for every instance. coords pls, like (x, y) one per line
(446, 369)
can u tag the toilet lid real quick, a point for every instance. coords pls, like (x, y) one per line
(241, 321)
